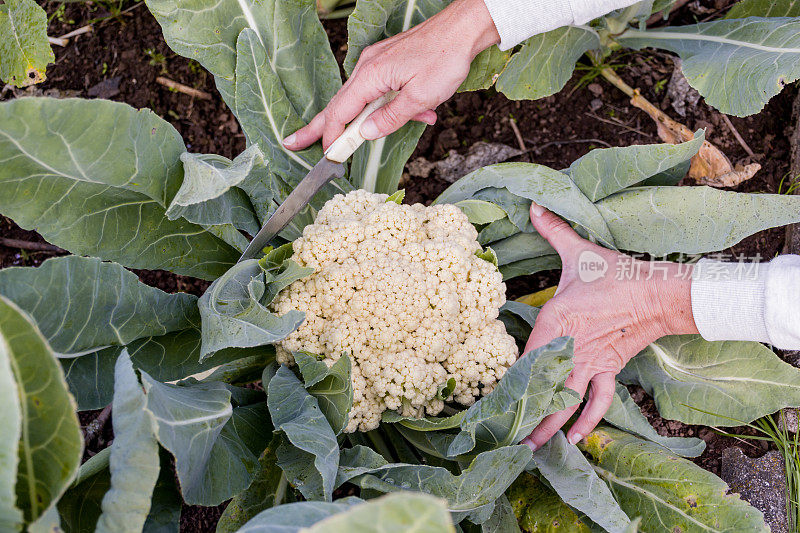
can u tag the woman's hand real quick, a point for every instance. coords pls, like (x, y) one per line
(612, 317)
(426, 64)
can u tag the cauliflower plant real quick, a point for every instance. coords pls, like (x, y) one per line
(400, 289)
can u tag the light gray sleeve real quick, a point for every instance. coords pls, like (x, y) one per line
(516, 20)
(748, 301)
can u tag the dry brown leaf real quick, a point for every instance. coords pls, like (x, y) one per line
(710, 166)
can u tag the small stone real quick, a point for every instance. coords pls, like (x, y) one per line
(680, 93)
(789, 420)
(761, 482)
(106, 88)
(595, 88)
(595, 104)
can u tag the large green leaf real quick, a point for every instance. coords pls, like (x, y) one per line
(166, 358)
(737, 65)
(378, 165)
(233, 314)
(209, 196)
(165, 509)
(669, 493)
(134, 461)
(537, 508)
(292, 517)
(764, 8)
(268, 489)
(11, 422)
(401, 512)
(24, 49)
(574, 480)
(95, 177)
(485, 69)
(662, 220)
(297, 414)
(82, 304)
(215, 446)
(332, 387)
(545, 186)
(601, 173)
(265, 112)
(545, 63)
(207, 31)
(51, 443)
(470, 494)
(625, 415)
(713, 383)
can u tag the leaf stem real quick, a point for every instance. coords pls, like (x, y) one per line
(380, 445)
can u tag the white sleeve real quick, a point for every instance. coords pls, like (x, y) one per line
(748, 301)
(516, 20)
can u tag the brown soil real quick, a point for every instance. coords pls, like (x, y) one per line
(121, 59)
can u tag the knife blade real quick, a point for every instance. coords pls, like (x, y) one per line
(331, 166)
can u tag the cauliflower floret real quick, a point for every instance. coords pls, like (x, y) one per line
(400, 290)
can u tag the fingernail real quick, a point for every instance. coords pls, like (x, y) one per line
(369, 130)
(575, 438)
(536, 209)
(530, 444)
(290, 140)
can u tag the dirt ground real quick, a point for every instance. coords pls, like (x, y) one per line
(124, 55)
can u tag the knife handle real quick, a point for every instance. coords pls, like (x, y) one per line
(349, 141)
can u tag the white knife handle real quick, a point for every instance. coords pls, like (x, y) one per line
(349, 141)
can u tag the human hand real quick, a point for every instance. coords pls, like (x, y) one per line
(610, 320)
(426, 64)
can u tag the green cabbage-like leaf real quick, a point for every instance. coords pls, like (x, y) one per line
(625, 415)
(297, 414)
(50, 443)
(713, 383)
(82, 304)
(572, 477)
(269, 488)
(24, 49)
(332, 387)
(737, 65)
(11, 421)
(471, 494)
(293, 517)
(537, 508)
(404, 511)
(764, 8)
(545, 63)
(669, 493)
(95, 177)
(601, 173)
(215, 445)
(233, 315)
(134, 461)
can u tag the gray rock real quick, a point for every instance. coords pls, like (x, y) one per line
(455, 165)
(761, 482)
(680, 93)
(789, 420)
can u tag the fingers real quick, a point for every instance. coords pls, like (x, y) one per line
(428, 117)
(308, 135)
(556, 230)
(600, 397)
(548, 427)
(393, 115)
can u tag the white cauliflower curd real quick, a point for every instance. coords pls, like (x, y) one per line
(400, 290)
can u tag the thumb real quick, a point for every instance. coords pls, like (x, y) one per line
(392, 116)
(555, 230)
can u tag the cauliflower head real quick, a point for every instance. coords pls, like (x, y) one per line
(401, 291)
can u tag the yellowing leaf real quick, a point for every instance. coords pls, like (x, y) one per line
(539, 298)
(24, 49)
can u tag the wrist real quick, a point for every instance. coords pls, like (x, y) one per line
(471, 20)
(670, 293)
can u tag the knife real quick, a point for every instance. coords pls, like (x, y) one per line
(329, 167)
